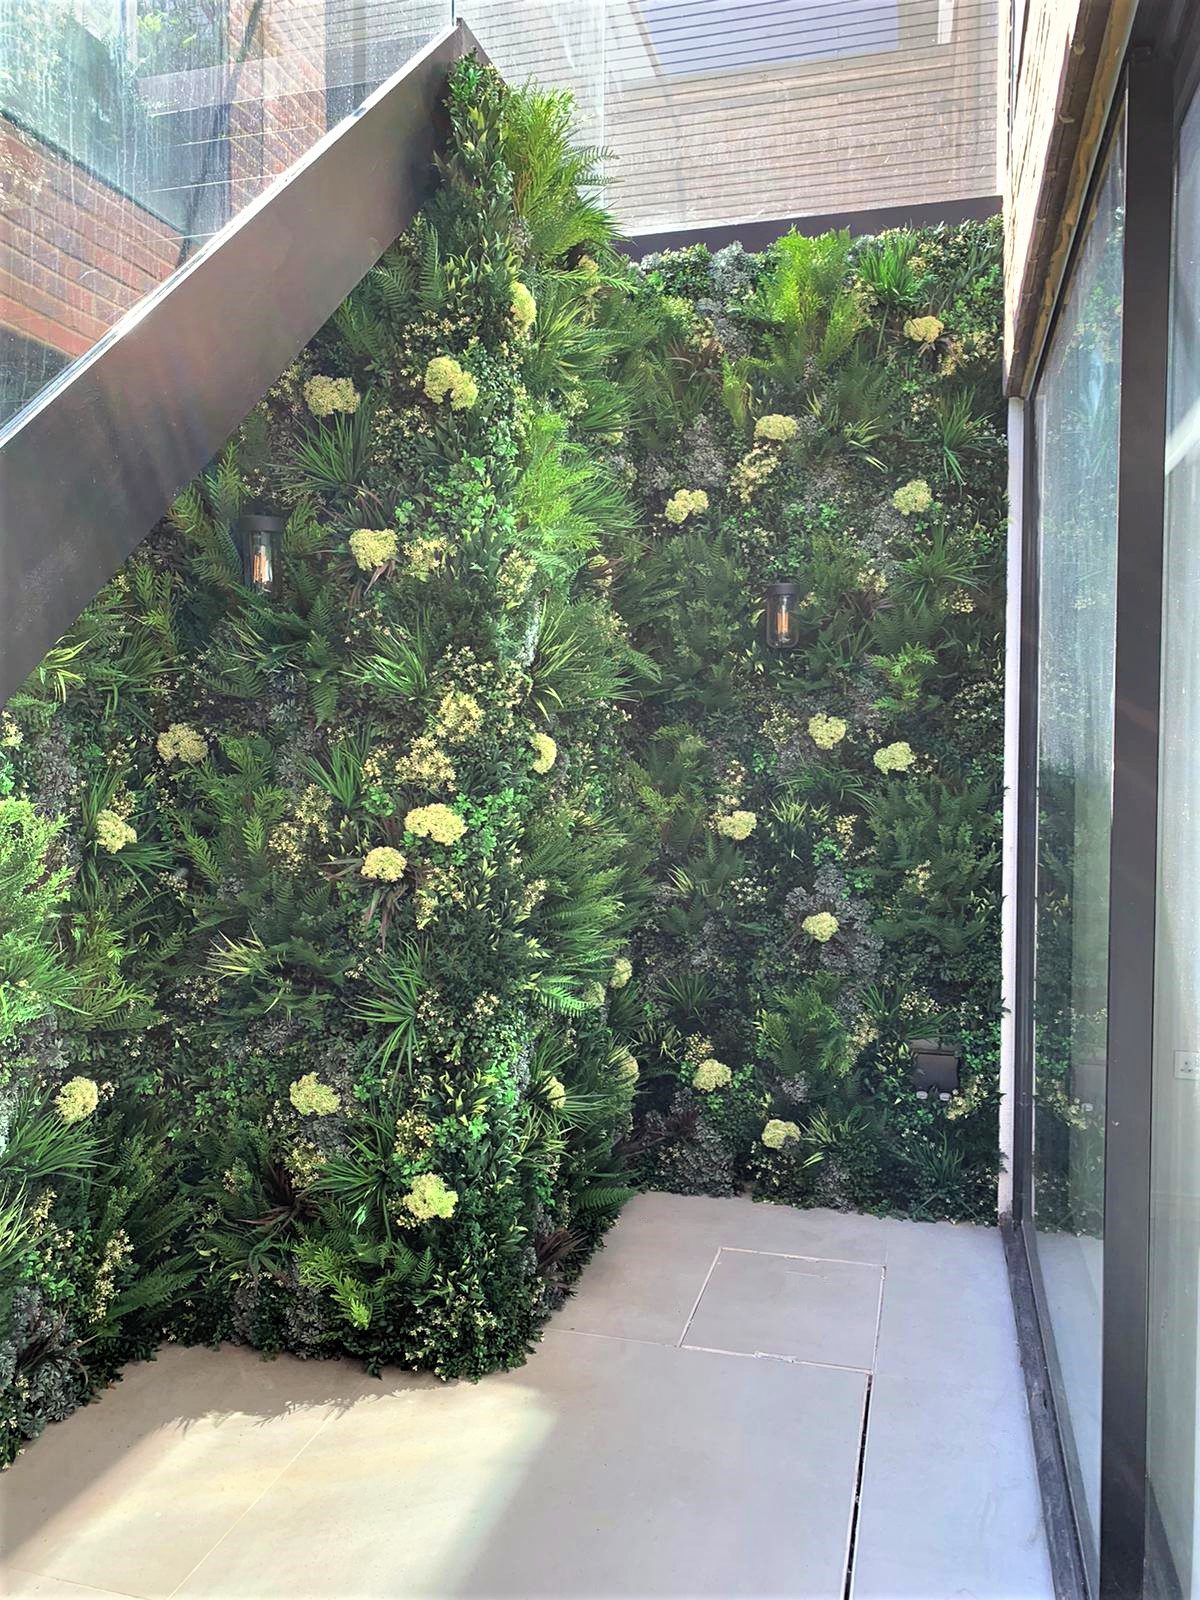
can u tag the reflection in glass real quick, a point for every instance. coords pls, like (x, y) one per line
(131, 131)
(1172, 1543)
(1076, 425)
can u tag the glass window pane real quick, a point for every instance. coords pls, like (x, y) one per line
(1174, 1401)
(131, 131)
(1077, 412)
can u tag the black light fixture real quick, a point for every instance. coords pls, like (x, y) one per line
(260, 537)
(781, 619)
(935, 1067)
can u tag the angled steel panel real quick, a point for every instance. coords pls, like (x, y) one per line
(87, 471)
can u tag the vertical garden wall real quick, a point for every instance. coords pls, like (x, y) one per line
(378, 911)
(820, 824)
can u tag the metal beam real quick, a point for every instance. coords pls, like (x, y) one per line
(95, 462)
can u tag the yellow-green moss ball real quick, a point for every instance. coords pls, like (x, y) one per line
(545, 752)
(776, 429)
(913, 497)
(312, 1098)
(429, 1197)
(384, 863)
(825, 731)
(371, 547)
(710, 1075)
(776, 1133)
(436, 822)
(737, 825)
(896, 757)
(77, 1099)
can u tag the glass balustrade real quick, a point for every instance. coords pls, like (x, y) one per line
(133, 131)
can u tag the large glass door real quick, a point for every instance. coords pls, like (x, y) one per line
(1173, 1500)
(1077, 437)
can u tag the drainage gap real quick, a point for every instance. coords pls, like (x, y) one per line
(858, 1483)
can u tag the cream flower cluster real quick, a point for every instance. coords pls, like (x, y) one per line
(912, 497)
(923, 330)
(459, 717)
(545, 752)
(685, 503)
(113, 833)
(516, 574)
(777, 1133)
(445, 378)
(429, 1197)
(182, 743)
(621, 973)
(524, 308)
(77, 1099)
(752, 471)
(425, 556)
(826, 731)
(737, 825)
(371, 547)
(711, 1074)
(427, 763)
(776, 429)
(323, 396)
(896, 757)
(821, 926)
(436, 822)
(384, 864)
(312, 1098)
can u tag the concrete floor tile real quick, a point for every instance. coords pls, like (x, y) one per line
(645, 1282)
(129, 1493)
(16, 1585)
(609, 1467)
(604, 1469)
(950, 1508)
(947, 1312)
(796, 1306)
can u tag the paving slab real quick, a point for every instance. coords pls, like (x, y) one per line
(950, 1508)
(645, 1282)
(800, 1307)
(605, 1469)
(131, 1491)
(947, 1312)
(620, 1462)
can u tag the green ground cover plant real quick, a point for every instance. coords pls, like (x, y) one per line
(366, 940)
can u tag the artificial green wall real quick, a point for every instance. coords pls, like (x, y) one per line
(364, 942)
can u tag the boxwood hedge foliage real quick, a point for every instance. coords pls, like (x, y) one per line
(365, 940)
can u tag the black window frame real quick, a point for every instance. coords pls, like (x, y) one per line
(1160, 73)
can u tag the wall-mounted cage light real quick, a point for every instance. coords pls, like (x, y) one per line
(261, 537)
(935, 1067)
(780, 618)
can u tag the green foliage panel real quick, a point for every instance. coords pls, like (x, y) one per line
(819, 826)
(364, 942)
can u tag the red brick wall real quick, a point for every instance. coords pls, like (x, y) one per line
(74, 253)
